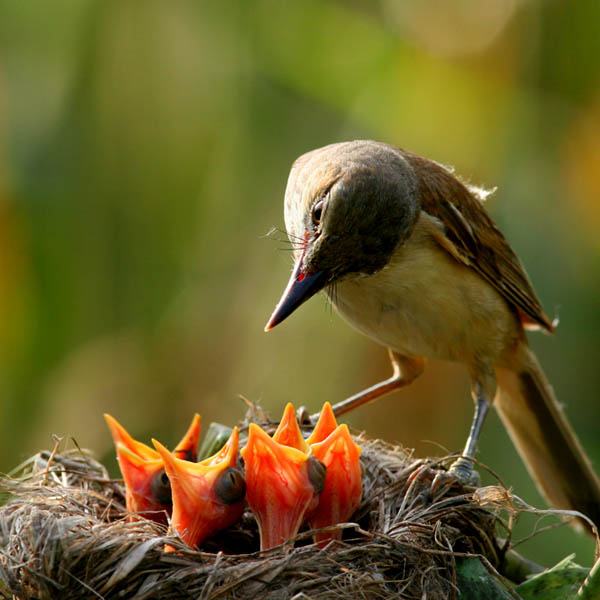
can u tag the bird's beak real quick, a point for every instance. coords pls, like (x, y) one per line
(143, 482)
(343, 483)
(279, 491)
(147, 493)
(288, 432)
(187, 449)
(122, 436)
(300, 288)
(325, 425)
(207, 496)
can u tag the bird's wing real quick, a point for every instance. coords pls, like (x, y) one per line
(473, 238)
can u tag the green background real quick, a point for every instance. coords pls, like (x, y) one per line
(144, 151)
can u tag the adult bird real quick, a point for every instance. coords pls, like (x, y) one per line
(407, 255)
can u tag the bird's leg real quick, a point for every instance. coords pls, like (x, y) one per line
(405, 370)
(482, 390)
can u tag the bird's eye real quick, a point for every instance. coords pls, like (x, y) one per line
(161, 487)
(317, 212)
(230, 486)
(317, 472)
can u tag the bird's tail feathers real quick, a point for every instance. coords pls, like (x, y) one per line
(548, 445)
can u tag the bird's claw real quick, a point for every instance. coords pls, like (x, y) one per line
(461, 472)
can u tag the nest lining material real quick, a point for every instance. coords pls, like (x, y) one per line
(63, 534)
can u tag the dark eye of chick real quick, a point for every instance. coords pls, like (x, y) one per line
(317, 212)
(230, 486)
(161, 488)
(317, 472)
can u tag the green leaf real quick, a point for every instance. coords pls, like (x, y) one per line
(560, 582)
(590, 590)
(214, 440)
(475, 582)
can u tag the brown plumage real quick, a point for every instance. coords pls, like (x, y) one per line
(472, 237)
(409, 257)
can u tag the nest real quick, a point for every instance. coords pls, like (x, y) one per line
(64, 534)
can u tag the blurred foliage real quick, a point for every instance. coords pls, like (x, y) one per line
(144, 151)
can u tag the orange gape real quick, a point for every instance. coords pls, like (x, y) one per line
(147, 488)
(291, 481)
(334, 447)
(207, 496)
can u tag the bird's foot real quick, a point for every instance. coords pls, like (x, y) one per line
(460, 472)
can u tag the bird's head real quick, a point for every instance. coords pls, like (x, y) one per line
(347, 207)
(207, 496)
(147, 487)
(284, 480)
